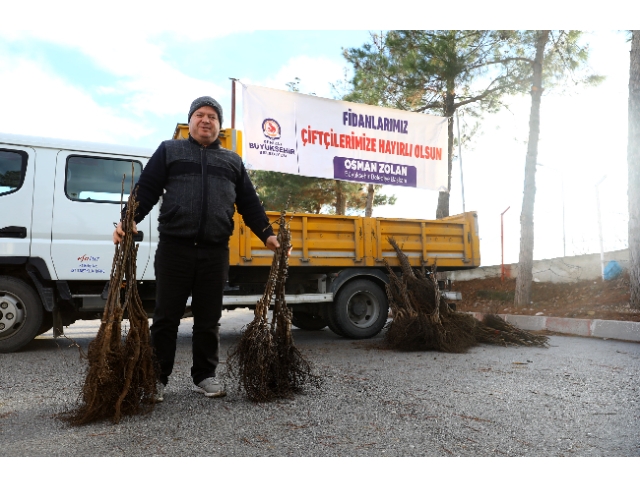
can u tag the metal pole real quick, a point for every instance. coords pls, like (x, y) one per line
(460, 158)
(600, 228)
(502, 242)
(564, 232)
(233, 103)
(564, 238)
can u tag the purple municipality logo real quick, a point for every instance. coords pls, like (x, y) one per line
(271, 128)
(374, 172)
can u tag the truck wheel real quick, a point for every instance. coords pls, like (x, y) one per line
(20, 314)
(361, 309)
(332, 322)
(308, 321)
(47, 324)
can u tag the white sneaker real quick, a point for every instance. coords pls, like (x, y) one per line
(210, 387)
(159, 395)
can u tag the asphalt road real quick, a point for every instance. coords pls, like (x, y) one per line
(579, 397)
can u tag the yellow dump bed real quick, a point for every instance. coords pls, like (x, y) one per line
(355, 241)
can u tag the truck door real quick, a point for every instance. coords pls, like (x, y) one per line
(86, 206)
(17, 169)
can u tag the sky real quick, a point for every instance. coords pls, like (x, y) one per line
(126, 73)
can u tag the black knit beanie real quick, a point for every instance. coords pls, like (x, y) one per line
(205, 101)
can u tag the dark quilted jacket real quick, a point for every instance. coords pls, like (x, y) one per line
(189, 174)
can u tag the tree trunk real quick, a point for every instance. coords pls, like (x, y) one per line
(633, 162)
(341, 200)
(525, 263)
(449, 110)
(368, 210)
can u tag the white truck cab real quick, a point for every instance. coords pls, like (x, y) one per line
(59, 201)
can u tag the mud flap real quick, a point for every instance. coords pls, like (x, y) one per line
(58, 327)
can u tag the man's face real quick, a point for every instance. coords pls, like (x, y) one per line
(204, 125)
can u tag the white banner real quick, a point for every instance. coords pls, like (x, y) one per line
(311, 136)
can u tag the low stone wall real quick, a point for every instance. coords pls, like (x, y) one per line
(617, 330)
(560, 269)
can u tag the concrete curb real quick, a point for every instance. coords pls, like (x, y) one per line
(617, 330)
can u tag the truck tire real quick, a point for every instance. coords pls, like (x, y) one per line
(332, 322)
(20, 314)
(47, 324)
(43, 329)
(360, 309)
(308, 321)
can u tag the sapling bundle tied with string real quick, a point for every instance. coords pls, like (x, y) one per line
(423, 320)
(120, 379)
(266, 362)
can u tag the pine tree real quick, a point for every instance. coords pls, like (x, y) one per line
(548, 58)
(438, 72)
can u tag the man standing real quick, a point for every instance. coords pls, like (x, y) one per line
(199, 182)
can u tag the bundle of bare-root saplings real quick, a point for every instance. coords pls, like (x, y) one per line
(422, 319)
(120, 379)
(265, 360)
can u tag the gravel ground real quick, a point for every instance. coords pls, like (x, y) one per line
(579, 397)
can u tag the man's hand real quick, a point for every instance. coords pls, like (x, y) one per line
(273, 244)
(118, 233)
